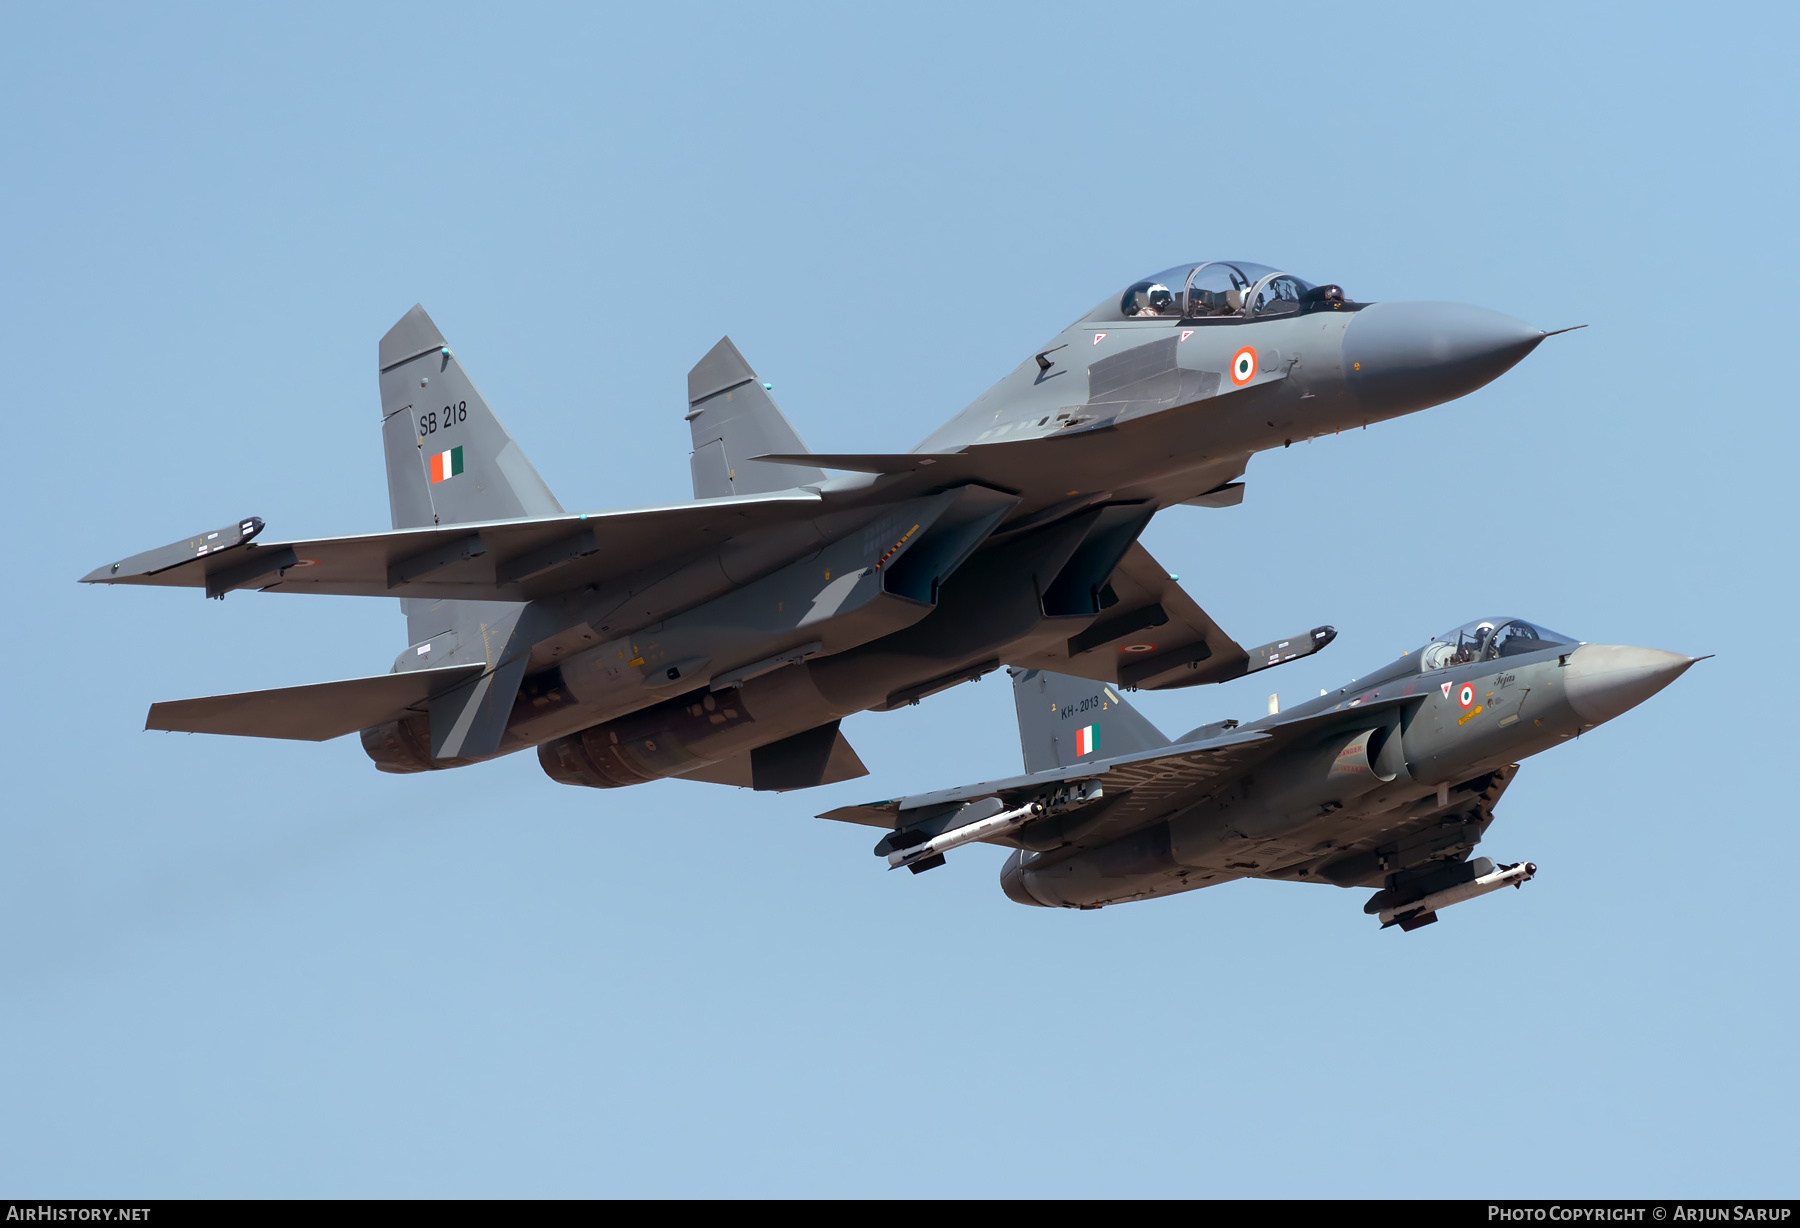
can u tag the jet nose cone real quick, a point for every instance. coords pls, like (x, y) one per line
(1399, 357)
(1603, 680)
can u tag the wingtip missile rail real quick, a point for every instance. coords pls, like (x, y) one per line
(199, 546)
(1279, 652)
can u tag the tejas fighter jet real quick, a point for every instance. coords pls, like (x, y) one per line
(1389, 782)
(724, 639)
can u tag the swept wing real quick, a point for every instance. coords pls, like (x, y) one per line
(1138, 787)
(1149, 774)
(502, 560)
(1155, 636)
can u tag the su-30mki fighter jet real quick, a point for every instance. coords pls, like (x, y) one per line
(724, 639)
(1389, 782)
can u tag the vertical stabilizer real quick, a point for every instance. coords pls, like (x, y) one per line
(1064, 721)
(734, 418)
(449, 460)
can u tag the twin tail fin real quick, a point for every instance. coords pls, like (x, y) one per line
(734, 419)
(449, 459)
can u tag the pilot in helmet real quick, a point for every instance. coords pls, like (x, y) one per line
(1149, 298)
(1472, 643)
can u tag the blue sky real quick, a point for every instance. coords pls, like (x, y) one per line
(236, 967)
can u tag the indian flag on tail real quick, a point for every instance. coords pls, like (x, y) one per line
(1084, 740)
(446, 465)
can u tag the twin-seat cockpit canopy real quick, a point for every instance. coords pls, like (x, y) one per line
(1488, 639)
(1216, 290)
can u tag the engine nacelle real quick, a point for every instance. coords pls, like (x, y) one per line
(589, 758)
(1282, 795)
(405, 746)
(657, 742)
(1012, 882)
(1290, 792)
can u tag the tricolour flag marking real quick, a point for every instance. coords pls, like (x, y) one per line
(1084, 740)
(446, 465)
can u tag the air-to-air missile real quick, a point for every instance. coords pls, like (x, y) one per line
(723, 639)
(1413, 913)
(1389, 782)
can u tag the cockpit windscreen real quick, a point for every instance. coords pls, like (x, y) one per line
(1489, 639)
(1209, 289)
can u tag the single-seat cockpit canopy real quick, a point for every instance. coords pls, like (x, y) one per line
(1220, 290)
(1488, 639)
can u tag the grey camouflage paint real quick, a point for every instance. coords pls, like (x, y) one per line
(795, 597)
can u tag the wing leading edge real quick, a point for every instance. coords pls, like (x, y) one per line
(504, 560)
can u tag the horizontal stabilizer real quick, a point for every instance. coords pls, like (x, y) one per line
(314, 713)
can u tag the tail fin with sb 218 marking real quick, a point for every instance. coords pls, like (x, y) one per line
(449, 460)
